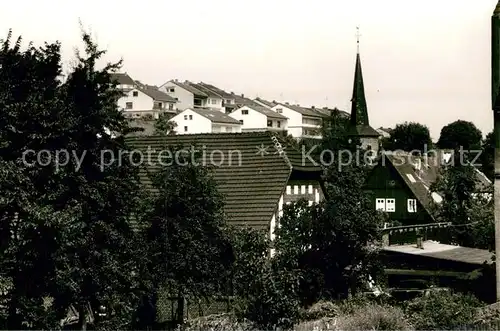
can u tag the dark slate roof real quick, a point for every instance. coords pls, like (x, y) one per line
(268, 112)
(325, 111)
(122, 78)
(251, 188)
(304, 111)
(191, 89)
(215, 115)
(156, 94)
(206, 90)
(217, 90)
(265, 102)
(445, 252)
(404, 163)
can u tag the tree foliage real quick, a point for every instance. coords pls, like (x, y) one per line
(460, 134)
(466, 205)
(164, 125)
(487, 157)
(72, 238)
(409, 137)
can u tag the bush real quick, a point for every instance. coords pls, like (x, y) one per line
(273, 301)
(319, 310)
(374, 317)
(442, 310)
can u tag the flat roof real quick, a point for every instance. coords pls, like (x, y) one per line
(437, 250)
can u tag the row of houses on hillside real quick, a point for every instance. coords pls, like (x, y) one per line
(205, 108)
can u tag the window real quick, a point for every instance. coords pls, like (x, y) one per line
(185, 117)
(295, 189)
(214, 102)
(279, 110)
(269, 124)
(310, 203)
(380, 204)
(412, 205)
(310, 189)
(390, 205)
(244, 112)
(302, 189)
(171, 90)
(190, 117)
(170, 106)
(288, 189)
(241, 122)
(160, 105)
(279, 124)
(129, 105)
(135, 94)
(185, 129)
(228, 101)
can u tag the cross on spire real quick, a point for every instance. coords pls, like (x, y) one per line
(357, 37)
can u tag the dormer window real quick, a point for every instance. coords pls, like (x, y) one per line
(279, 110)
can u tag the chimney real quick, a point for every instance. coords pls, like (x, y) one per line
(232, 93)
(242, 95)
(175, 80)
(420, 244)
(312, 107)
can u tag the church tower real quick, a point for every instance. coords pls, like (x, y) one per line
(359, 121)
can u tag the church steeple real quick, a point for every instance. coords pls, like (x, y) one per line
(359, 110)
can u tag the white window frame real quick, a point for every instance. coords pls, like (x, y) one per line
(390, 205)
(296, 189)
(412, 205)
(302, 189)
(310, 188)
(288, 189)
(380, 204)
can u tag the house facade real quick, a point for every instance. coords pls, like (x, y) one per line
(197, 120)
(302, 122)
(186, 95)
(257, 182)
(400, 185)
(259, 118)
(141, 100)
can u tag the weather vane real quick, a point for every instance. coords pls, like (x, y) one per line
(357, 37)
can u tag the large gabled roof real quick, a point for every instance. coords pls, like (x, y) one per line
(155, 93)
(122, 78)
(268, 112)
(215, 116)
(252, 182)
(304, 111)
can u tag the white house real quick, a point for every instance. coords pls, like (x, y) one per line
(123, 80)
(146, 100)
(198, 120)
(229, 99)
(191, 95)
(259, 118)
(302, 122)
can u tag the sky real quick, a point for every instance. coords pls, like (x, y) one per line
(424, 61)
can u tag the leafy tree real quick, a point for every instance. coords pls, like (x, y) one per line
(310, 238)
(460, 134)
(409, 137)
(73, 241)
(470, 213)
(164, 125)
(487, 158)
(189, 248)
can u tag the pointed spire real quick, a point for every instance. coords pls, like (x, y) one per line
(359, 111)
(496, 12)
